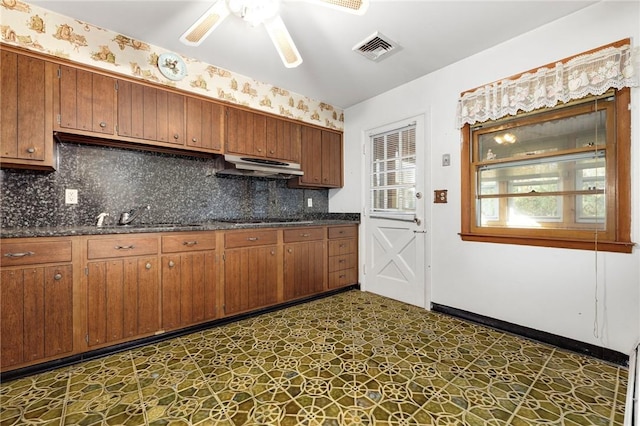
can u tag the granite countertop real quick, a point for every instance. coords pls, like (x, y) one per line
(58, 231)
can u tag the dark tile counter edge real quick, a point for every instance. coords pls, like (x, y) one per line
(65, 231)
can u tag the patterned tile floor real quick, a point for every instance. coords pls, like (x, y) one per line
(350, 359)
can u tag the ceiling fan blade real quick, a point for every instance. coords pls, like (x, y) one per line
(359, 7)
(283, 42)
(205, 24)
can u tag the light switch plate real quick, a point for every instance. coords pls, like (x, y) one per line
(446, 160)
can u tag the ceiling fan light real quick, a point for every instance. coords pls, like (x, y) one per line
(255, 12)
(283, 42)
(208, 22)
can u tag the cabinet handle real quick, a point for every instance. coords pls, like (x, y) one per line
(148, 266)
(31, 150)
(342, 276)
(342, 245)
(131, 247)
(193, 139)
(176, 136)
(259, 149)
(253, 239)
(271, 151)
(57, 277)
(103, 124)
(340, 232)
(290, 250)
(171, 264)
(341, 261)
(189, 243)
(305, 235)
(23, 254)
(273, 252)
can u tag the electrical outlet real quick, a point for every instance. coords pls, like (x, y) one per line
(440, 196)
(309, 202)
(71, 196)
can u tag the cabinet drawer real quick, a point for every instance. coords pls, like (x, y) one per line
(348, 231)
(121, 247)
(343, 278)
(188, 242)
(250, 238)
(30, 253)
(338, 263)
(303, 234)
(342, 247)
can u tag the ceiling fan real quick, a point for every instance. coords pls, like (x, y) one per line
(257, 12)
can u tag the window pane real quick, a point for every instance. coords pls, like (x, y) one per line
(547, 136)
(393, 174)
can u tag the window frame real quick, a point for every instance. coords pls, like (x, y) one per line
(618, 192)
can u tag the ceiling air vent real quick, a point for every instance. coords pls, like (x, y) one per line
(376, 47)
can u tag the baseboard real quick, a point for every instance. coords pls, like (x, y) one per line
(599, 352)
(86, 356)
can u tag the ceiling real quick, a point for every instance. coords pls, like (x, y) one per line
(432, 35)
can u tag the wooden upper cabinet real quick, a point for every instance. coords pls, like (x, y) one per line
(151, 114)
(205, 125)
(26, 126)
(246, 133)
(283, 140)
(332, 163)
(311, 156)
(86, 101)
(321, 159)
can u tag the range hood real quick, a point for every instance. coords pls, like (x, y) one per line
(242, 165)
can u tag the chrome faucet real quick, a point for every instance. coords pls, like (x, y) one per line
(128, 217)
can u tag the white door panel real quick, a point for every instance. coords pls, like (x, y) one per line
(395, 247)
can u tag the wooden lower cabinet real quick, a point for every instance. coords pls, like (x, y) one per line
(343, 256)
(304, 262)
(189, 289)
(36, 321)
(123, 299)
(250, 278)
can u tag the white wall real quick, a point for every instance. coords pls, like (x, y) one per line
(547, 289)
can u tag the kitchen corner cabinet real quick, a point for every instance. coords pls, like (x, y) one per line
(321, 159)
(304, 262)
(86, 101)
(189, 279)
(150, 114)
(343, 255)
(26, 112)
(251, 264)
(123, 288)
(36, 301)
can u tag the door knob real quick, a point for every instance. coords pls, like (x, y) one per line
(417, 221)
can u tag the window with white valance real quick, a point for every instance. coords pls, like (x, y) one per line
(592, 73)
(546, 154)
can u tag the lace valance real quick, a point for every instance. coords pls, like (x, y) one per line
(589, 74)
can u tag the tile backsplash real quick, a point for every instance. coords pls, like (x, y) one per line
(179, 189)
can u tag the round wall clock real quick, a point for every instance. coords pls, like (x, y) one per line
(172, 66)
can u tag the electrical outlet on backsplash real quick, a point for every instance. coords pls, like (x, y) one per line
(113, 180)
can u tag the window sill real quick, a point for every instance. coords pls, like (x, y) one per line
(612, 246)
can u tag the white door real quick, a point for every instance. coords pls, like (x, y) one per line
(395, 227)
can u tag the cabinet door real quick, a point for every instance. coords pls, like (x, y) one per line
(36, 319)
(311, 156)
(170, 122)
(331, 159)
(283, 140)
(251, 278)
(87, 101)
(205, 124)
(25, 119)
(122, 299)
(188, 289)
(303, 269)
(246, 133)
